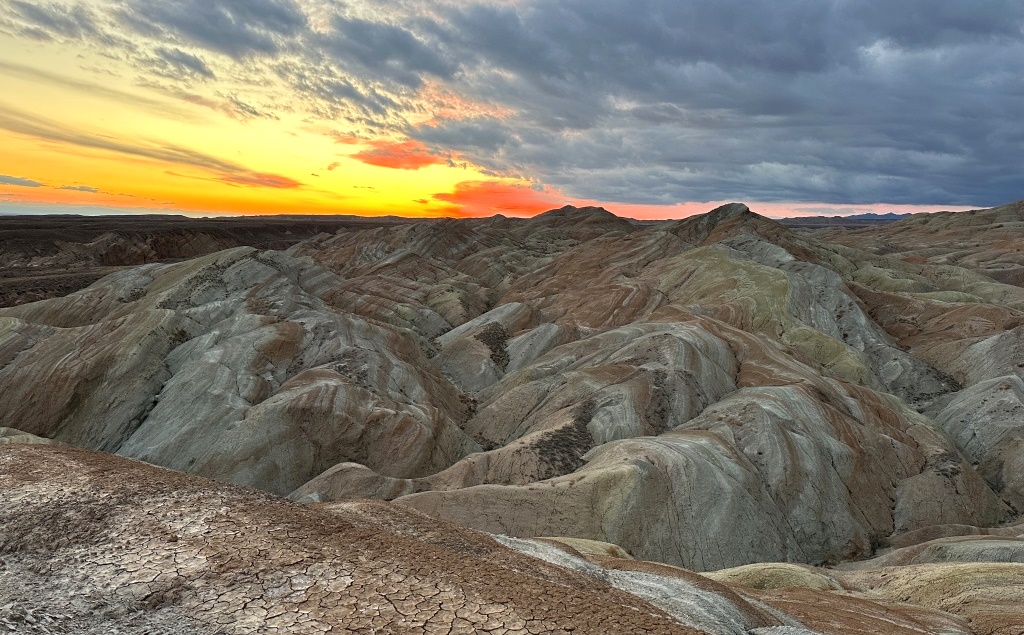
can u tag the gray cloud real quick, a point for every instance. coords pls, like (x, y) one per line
(20, 182)
(664, 100)
(482, 136)
(336, 95)
(236, 28)
(177, 63)
(47, 21)
(385, 51)
(60, 22)
(80, 188)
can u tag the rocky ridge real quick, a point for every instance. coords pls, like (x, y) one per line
(50, 256)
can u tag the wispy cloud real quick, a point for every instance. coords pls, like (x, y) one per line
(227, 171)
(175, 63)
(275, 181)
(226, 104)
(245, 110)
(93, 88)
(48, 20)
(20, 182)
(80, 188)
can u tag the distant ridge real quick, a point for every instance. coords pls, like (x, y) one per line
(872, 216)
(854, 220)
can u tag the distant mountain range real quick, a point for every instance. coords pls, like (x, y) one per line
(843, 221)
(870, 216)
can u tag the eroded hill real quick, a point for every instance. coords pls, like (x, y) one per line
(706, 393)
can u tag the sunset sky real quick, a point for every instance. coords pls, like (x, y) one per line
(650, 108)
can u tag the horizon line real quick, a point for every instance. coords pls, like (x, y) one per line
(803, 209)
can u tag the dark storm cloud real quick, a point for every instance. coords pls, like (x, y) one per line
(237, 28)
(927, 24)
(660, 48)
(659, 100)
(629, 43)
(487, 135)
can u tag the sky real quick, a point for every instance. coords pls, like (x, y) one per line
(649, 108)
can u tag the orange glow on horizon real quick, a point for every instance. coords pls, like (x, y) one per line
(125, 146)
(487, 198)
(80, 127)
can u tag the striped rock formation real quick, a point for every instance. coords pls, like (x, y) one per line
(709, 393)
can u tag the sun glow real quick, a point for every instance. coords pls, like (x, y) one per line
(161, 127)
(83, 132)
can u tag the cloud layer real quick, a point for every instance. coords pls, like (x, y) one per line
(632, 101)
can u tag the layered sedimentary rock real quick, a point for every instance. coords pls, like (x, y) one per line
(228, 366)
(708, 393)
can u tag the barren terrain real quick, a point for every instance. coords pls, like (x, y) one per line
(574, 422)
(51, 256)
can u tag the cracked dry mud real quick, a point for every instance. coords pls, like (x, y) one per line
(94, 543)
(136, 539)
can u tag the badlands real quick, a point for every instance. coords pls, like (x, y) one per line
(571, 423)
